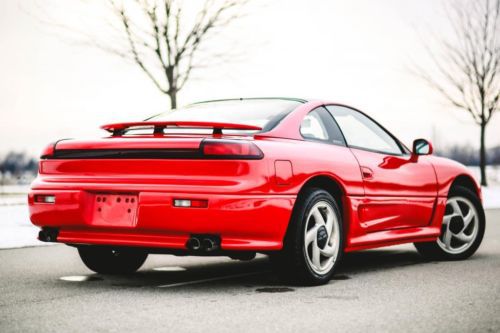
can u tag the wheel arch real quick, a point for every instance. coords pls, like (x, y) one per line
(333, 186)
(327, 183)
(467, 182)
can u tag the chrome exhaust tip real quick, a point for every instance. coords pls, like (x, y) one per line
(193, 244)
(209, 245)
(48, 235)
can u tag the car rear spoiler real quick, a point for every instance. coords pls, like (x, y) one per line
(119, 129)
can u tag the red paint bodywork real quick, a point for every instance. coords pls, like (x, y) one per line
(386, 199)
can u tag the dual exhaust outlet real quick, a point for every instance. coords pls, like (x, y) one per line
(48, 234)
(203, 243)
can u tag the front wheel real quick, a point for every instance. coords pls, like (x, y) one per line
(314, 241)
(462, 229)
(106, 260)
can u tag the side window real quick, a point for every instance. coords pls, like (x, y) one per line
(361, 132)
(319, 125)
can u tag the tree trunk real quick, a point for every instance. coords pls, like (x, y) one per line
(482, 156)
(173, 98)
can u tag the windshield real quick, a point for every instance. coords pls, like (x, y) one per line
(264, 113)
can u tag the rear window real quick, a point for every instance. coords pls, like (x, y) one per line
(265, 113)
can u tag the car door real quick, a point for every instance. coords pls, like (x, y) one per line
(400, 190)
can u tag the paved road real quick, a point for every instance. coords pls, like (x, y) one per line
(380, 290)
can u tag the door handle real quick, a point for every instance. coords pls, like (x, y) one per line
(366, 172)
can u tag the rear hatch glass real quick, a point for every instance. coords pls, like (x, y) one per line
(264, 113)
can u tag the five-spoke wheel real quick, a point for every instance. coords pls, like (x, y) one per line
(314, 241)
(321, 237)
(462, 229)
(460, 225)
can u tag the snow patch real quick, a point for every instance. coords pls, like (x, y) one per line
(10, 200)
(491, 197)
(16, 229)
(492, 173)
(491, 193)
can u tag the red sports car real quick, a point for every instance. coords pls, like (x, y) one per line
(302, 181)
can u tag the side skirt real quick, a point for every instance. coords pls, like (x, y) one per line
(359, 239)
(393, 237)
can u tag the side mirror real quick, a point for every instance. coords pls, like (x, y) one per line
(422, 147)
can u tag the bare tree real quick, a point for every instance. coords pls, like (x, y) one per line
(467, 72)
(166, 39)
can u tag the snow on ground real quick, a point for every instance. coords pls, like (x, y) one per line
(14, 189)
(491, 197)
(10, 200)
(13, 195)
(491, 193)
(16, 229)
(492, 173)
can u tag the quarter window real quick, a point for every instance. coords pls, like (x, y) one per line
(319, 125)
(362, 132)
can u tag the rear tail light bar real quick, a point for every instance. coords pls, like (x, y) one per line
(209, 149)
(230, 149)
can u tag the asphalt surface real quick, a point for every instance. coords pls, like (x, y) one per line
(386, 290)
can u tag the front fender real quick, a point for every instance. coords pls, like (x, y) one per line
(448, 172)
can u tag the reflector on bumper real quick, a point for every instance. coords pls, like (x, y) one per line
(191, 203)
(45, 198)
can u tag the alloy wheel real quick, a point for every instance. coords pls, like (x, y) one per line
(460, 226)
(321, 237)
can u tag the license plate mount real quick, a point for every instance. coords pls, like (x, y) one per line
(115, 210)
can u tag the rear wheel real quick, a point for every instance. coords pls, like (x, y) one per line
(314, 242)
(106, 260)
(462, 229)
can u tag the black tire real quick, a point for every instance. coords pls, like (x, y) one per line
(106, 260)
(433, 251)
(291, 262)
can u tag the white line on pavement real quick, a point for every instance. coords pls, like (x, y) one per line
(218, 278)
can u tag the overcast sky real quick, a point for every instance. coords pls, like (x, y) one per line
(353, 51)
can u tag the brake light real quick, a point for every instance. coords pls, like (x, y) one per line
(232, 149)
(48, 151)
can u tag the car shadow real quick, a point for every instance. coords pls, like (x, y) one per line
(380, 259)
(251, 274)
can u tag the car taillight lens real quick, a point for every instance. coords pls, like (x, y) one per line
(48, 152)
(232, 149)
(191, 203)
(45, 198)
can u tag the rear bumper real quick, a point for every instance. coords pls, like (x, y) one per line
(243, 222)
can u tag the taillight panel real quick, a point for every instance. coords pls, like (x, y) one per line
(230, 149)
(209, 149)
